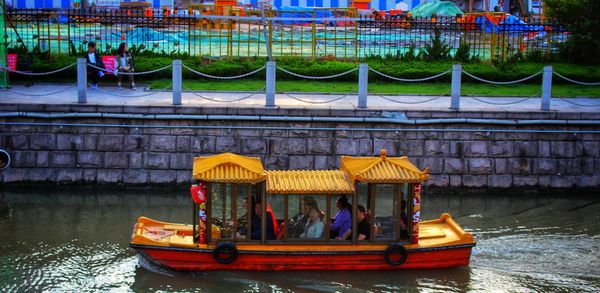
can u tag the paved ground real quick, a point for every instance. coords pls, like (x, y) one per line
(64, 94)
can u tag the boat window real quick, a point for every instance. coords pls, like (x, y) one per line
(340, 224)
(275, 212)
(243, 203)
(362, 200)
(306, 214)
(385, 211)
(221, 211)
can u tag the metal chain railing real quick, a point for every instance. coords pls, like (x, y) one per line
(223, 77)
(320, 102)
(410, 102)
(408, 79)
(38, 73)
(40, 95)
(502, 82)
(112, 93)
(317, 77)
(575, 81)
(131, 73)
(223, 101)
(500, 103)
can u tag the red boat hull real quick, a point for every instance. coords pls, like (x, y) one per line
(197, 259)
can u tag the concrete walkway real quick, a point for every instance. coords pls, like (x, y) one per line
(106, 95)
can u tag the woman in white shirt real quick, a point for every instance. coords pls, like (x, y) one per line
(124, 64)
(314, 225)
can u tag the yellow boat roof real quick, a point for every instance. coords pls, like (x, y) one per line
(383, 169)
(228, 168)
(308, 182)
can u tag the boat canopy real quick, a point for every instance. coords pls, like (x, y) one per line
(308, 182)
(383, 169)
(228, 168)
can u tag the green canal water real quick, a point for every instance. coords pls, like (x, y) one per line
(77, 241)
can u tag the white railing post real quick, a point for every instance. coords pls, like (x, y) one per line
(81, 81)
(177, 82)
(363, 84)
(270, 86)
(546, 88)
(456, 80)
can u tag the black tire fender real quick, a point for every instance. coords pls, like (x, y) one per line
(395, 249)
(225, 248)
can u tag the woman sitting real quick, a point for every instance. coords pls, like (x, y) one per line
(124, 64)
(314, 225)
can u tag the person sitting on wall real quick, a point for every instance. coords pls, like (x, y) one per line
(92, 57)
(256, 224)
(124, 64)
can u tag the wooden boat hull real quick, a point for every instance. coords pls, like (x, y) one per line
(202, 259)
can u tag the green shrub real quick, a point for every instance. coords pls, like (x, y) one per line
(437, 49)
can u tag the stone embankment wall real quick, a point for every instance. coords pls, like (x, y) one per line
(495, 156)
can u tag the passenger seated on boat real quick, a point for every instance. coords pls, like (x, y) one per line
(297, 224)
(256, 224)
(314, 225)
(364, 228)
(343, 219)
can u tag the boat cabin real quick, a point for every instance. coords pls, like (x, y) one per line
(232, 192)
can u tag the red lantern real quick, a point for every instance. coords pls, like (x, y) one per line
(199, 192)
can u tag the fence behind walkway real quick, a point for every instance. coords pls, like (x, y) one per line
(315, 33)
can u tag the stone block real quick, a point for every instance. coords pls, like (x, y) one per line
(254, 146)
(500, 181)
(525, 181)
(525, 149)
(23, 158)
(184, 144)
(320, 146)
(437, 148)
(89, 159)
(110, 143)
(568, 167)
(439, 180)
(545, 167)
(587, 166)
(589, 181)
(454, 166)
(276, 163)
(109, 176)
(16, 141)
(135, 177)
(136, 143)
(41, 175)
(12, 175)
(455, 180)
(278, 146)
(227, 144)
(182, 161)
(430, 135)
(301, 163)
(520, 166)
(501, 166)
(589, 149)
(184, 177)
(116, 160)
(163, 143)
(69, 175)
(163, 176)
(474, 181)
(475, 149)
(64, 159)
(156, 161)
(297, 146)
(456, 149)
(205, 144)
(69, 142)
(563, 149)
(298, 129)
(544, 149)
(558, 181)
(325, 163)
(411, 148)
(348, 147)
(435, 165)
(501, 149)
(480, 166)
(89, 175)
(365, 147)
(90, 142)
(135, 160)
(388, 145)
(43, 141)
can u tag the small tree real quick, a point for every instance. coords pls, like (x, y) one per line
(437, 49)
(463, 53)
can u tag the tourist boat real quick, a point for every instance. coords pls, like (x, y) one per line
(227, 195)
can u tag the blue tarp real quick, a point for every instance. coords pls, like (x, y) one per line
(510, 24)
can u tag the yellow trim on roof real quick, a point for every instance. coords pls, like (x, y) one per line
(308, 182)
(383, 169)
(228, 168)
